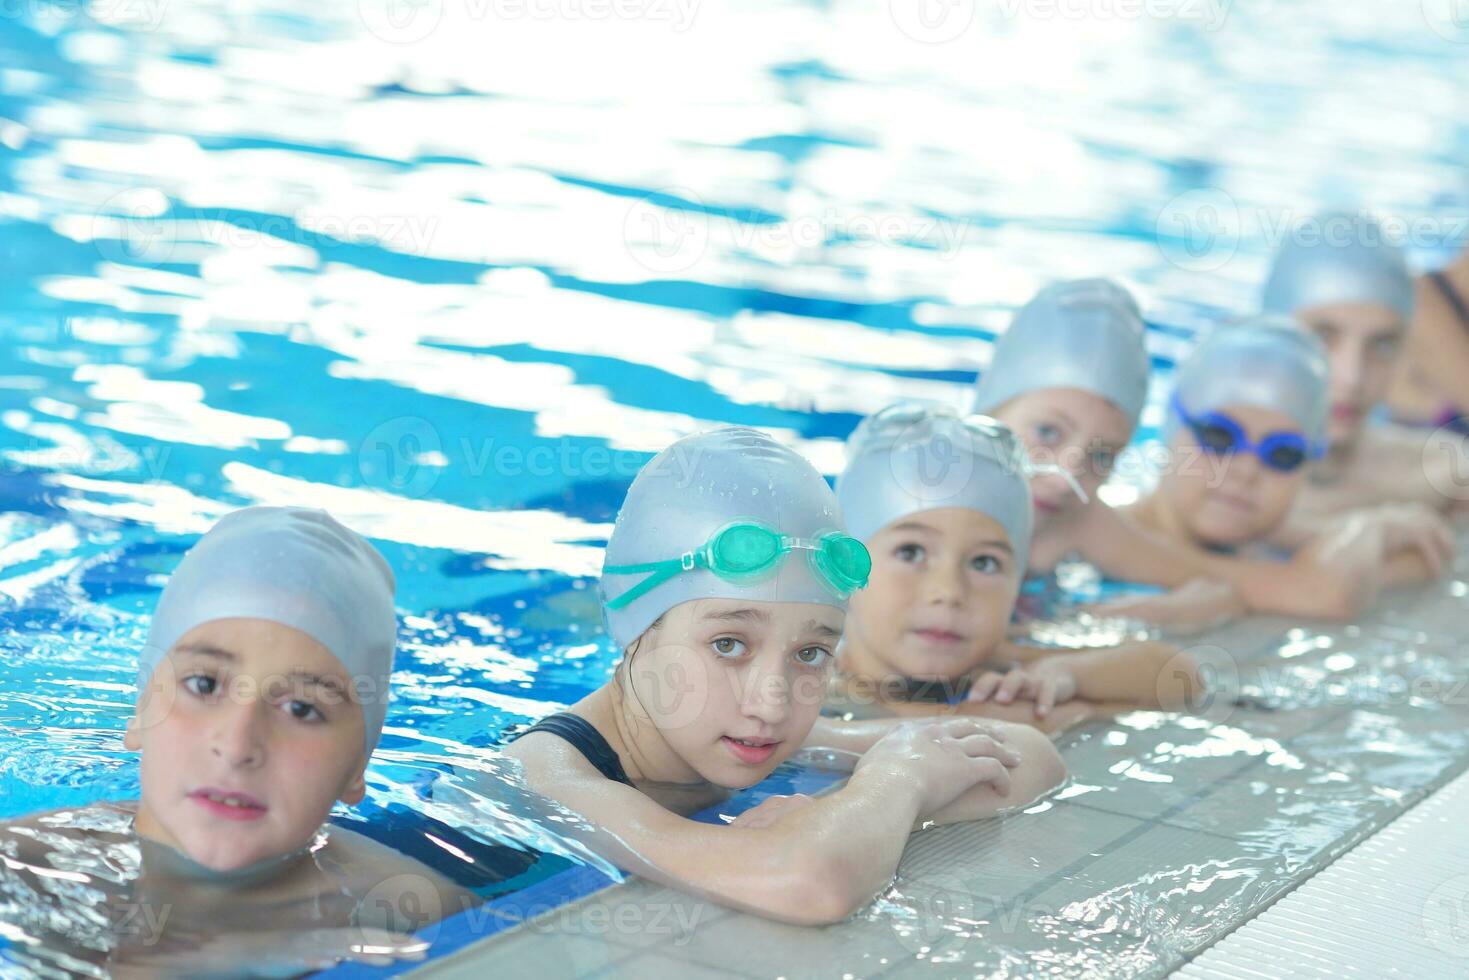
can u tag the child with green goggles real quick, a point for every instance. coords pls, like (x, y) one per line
(729, 647)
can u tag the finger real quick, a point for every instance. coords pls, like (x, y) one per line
(984, 686)
(992, 772)
(1446, 543)
(961, 727)
(1429, 549)
(1045, 698)
(1012, 685)
(979, 746)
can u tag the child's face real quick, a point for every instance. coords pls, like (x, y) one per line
(939, 598)
(721, 672)
(1077, 430)
(255, 711)
(1235, 498)
(1362, 343)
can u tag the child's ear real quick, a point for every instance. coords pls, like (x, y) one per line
(131, 739)
(356, 788)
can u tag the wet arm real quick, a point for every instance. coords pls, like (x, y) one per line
(1040, 769)
(816, 865)
(1145, 673)
(1125, 550)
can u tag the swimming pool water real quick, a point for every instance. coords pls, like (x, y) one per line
(454, 273)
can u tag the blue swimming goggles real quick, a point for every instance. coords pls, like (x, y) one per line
(1220, 434)
(748, 551)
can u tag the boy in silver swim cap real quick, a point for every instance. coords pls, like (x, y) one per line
(1070, 377)
(1340, 276)
(1248, 414)
(262, 690)
(726, 582)
(263, 685)
(943, 504)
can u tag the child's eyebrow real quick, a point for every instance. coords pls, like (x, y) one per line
(998, 544)
(320, 680)
(205, 650)
(741, 615)
(914, 526)
(1065, 417)
(813, 626)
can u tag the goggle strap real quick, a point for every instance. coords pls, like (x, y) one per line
(1064, 474)
(659, 572)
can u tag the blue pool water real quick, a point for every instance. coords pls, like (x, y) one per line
(453, 274)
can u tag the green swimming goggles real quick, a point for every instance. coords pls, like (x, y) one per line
(747, 551)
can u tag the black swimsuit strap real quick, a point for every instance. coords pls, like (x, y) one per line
(1454, 298)
(585, 739)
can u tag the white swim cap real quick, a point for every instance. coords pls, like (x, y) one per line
(1264, 361)
(697, 487)
(294, 566)
(1086, 334)
(1345, 260)
(914, 456)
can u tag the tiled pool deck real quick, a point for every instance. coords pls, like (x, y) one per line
(1176, 829)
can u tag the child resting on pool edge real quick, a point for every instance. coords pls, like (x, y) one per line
(1341, 276)
(1253, 394)
(262, 691)
(944, 506)
(725, 583)
(1070, 377)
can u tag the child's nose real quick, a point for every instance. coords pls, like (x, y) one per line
(944, 584)
(767, 695)
(238, 737)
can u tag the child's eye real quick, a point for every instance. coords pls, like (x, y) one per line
(1385, 347)
(304, 711)
(1103, 460)
(728, 646)
(1048, 433)
(812, 656)
(988, 564)
(201, 685)
(908, 553)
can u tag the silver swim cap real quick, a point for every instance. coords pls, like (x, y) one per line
(914, 456)
(1085, 333)
(294, 566)
(1264, 361)
(1347, 260)
(702, 485)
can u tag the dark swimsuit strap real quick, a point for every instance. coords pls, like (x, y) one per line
(586, 740)
(1452, 296)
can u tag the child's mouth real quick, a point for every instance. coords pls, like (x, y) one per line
(751, 751)
(939, 636)
(229, 805)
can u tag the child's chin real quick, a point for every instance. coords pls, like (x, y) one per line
(937, 668)
(224, 859)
